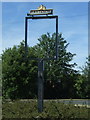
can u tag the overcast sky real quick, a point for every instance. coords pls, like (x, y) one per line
(73, 24)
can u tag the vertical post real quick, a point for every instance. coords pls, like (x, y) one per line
(26, 35)
(56, 37)
(40, 85)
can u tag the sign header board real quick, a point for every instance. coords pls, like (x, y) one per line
(41, 11)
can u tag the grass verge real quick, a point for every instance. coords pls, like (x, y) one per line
(52, 111)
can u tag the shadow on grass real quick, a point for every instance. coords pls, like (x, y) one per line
(44, 119)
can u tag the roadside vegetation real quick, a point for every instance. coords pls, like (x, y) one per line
(52, 110)
(61, 81)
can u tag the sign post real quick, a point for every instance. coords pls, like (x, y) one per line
(41, 11)
(40, 84)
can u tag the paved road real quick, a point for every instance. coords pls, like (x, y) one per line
(81, 102)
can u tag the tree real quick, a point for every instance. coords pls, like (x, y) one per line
(83, 82)
(59, 75)
(19, 74)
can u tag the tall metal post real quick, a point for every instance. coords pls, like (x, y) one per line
(56, 37)
(40, 84)
(26, 24)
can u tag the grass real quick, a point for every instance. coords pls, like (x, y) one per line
(52, 111)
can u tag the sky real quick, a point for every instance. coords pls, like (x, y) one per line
(73, 24)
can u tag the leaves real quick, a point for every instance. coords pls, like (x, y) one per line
(20, 72)
(83, 82)
(60, 70)
(17, 73)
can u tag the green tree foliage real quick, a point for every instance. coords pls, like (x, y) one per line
(19, 73)
(83, 82)
(59, 75)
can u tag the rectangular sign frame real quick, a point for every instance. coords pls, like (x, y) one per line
(56, 43)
